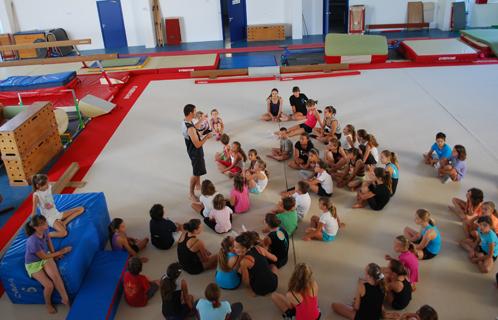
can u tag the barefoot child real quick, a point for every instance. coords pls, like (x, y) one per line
(239, 196)
(288, 218)
(138, 290)
(399, 289)
(225, 154)
(258, 181)
(322, 184)
(274, 108)
(470, 226)
(312, 119)
(121, 242)
(469, 208)
(285, 151)
(236, 162)
(220, 218)
(439, 151)
(253, 157)
(301, 153)
(277, 240)
(455, 168)
(348, 141)
(298, 104)
(303, 199)
(335, 156)
(216, 124)
(227, 276)
(161, 230)
(376, 193)
(407, 256)
(205, 203)
(326, 226)
(353, 173)
(202, 123)
(39, 261)
(331, 127)
(485, 251)
(176, 304)
(390, 161)
(43, 200)
(428, 240)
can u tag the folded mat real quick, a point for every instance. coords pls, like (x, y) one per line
(337, 44)
(487, 36)
(19, 83)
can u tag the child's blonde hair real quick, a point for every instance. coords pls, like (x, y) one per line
(329, 205)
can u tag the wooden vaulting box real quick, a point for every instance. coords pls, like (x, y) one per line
(265, 32)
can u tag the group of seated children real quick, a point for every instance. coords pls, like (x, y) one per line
(450, 164)
(214, 125)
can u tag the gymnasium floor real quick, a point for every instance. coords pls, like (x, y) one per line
(145, 162)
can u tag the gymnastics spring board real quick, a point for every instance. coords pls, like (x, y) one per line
(438, 50)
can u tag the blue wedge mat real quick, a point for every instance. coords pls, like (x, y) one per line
(239, 61)
(87, 235)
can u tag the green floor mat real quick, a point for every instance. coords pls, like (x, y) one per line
(487, 36)
(355, 45)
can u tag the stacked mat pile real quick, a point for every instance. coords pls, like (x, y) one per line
(350, 49)
(485, 40)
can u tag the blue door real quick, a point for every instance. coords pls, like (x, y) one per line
(237, 19)
(112, 24)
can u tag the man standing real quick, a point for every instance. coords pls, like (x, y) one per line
(195, 152)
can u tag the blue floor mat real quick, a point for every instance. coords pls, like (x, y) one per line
(238, 61)
(12, 196)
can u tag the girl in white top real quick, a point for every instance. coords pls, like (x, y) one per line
(43, 200)
(322, 184)
(303, 199)
(371, 153)
(348, 141)
(326, 226)
(205, 203)
(258, 181)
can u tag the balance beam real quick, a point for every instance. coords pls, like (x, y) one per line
(48, 44)
(314, 68)
(213, 74)
(65, 180)
(31, 62)
(398, 26)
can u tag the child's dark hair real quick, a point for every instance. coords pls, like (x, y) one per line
(253, 151)
(214, 110)
(476, 196)
(385, 176)
(322, 165)
(397, 267)
(362, 133)
(274, 89)
(168, 282)
(374, 271)
(492, 206)
(157, 211)
(248, 239)
(188, 109)
(239, 147)
(303, 186)
(351, 129)
(296, 89)
(35, 221)
(238, 183)
(219, 202)
(462, 153)
(311, 103)
(113, 226)
(329, 205)
(355, 152)
(331, 109)
(213, 294)
(225, 139)
(427, 312)
(484, 219)
(282, 129)
(441, 135)
(135, 266)
(207, 188)
(272, 220)
(226, 246)
(288, 203)
(192, 225)
(39, 180)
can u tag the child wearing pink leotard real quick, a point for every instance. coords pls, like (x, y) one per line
(312, 119)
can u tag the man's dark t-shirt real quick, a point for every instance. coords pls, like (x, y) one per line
(299, 103)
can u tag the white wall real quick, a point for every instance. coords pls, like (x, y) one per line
(313, 16)
(137, 15)
(484, 15)
(267, 11)
(200, 19)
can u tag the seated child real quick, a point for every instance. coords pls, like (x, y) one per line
(376, 193)
(239, 196)
(301, 151)
(205, 203)
(353, 173)
(39, 260)
(399, 289)
(253, 157)
(227, 276)
(216, 123)
(425, 312)
(469, 208)
(192, 253)
(176, 304)
(302, 197)
(288, 218)
(138, 290)
(428, 240)
(470, 226)
(235, 164)
(390, 161)
(455, 168)
(325, 226)
(330, 127)
(349, 139)
(285, 151)
(220, 218)
(484, 251)
(161, 230)
(407, 257)
(212, 308)
(335, 156)
(257, 181)
(371, 153)
(121, 242)
(201, 123)
(322, 183)
(225, 154)
(43, 200)
(298, 104)
(312, 119)
(277, 240)
(439, 151)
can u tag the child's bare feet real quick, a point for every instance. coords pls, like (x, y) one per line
(65, 301)
(144, 259)
(357, 206)
(193, 198)
(306, 238)
(342, 225)
(51, 309)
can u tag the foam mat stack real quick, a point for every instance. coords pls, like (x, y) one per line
(28, 142)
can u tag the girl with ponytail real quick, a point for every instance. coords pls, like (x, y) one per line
(326, 226)
(211, 308)
(428, 240)
(192, 253)
(399, 289)
(407, 257)
(39, 260)
(390, 160)
(369, 299)
(176, 304)
(43, 200)
(121, 242)
(227, 276)
(375, 193)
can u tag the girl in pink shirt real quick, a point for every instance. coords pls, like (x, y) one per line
(220, 217)
(407, 257)
(312, 119)
(239, 196)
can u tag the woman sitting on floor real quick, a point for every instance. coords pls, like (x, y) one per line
(399, 289)
(428, 240)
(277, 240)
(120, 241)
(192, 253)
(274, 108)
(176, 304)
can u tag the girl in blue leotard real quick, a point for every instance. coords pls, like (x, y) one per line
(227, 276)
(390, 160)
(428, 240)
